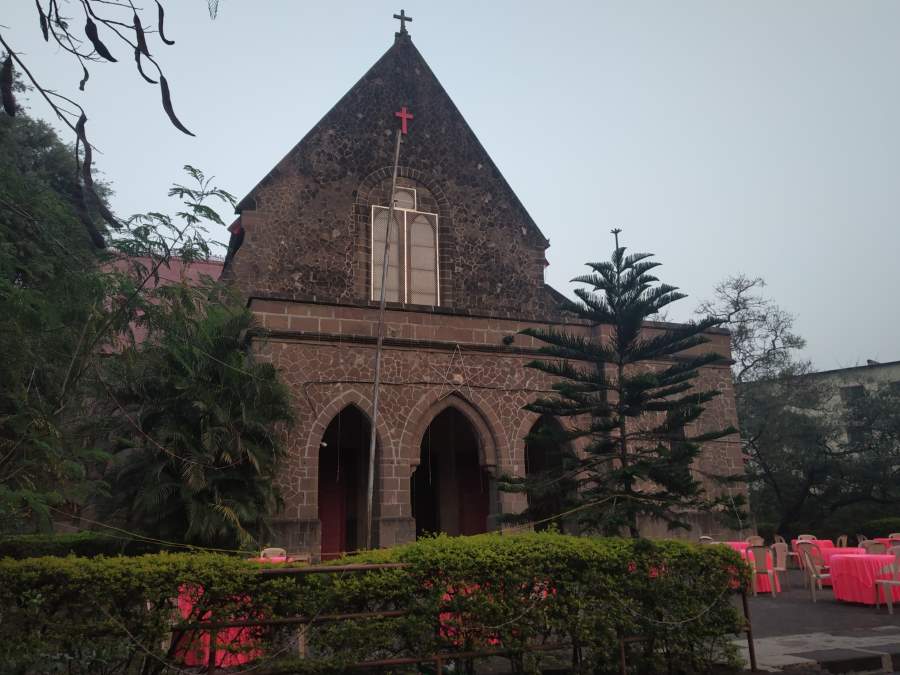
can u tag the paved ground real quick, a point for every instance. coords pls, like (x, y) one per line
(793, 633)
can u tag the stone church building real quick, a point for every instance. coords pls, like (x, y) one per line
(466, 275)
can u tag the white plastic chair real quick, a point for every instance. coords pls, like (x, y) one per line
(842, 541)
(873, 547)
(791, 555)
(706, 539)
(761, 568)
(806, 537)
(779, 558)
(755, 540)
(815, 568)
(888, 584)
(801, 565)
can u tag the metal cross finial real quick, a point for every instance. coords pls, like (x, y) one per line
(403, 19)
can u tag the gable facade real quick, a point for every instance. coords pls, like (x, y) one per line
(307, 224)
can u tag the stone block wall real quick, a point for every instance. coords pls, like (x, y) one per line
(431, 360)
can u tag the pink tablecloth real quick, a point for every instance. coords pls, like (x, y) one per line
(829, 553)
(234, 646)
(887, 541)
(853, 577)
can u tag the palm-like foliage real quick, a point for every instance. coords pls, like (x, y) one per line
(630, 396)
(194, 421)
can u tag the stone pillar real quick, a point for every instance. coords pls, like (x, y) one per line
(393, 513)
(395, 531)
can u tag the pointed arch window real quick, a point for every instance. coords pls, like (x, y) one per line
(412, 274)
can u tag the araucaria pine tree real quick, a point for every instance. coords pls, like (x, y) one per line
(627, 390)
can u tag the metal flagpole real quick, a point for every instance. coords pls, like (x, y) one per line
(370, 490)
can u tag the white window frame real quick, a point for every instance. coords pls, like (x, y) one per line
(405, 247)
(415, 197)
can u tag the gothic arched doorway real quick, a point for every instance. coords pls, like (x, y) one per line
(450, 488)
(343, 476)
(548, 486)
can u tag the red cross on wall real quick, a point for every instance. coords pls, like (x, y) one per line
(404, 116)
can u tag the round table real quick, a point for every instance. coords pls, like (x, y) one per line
(853, 576)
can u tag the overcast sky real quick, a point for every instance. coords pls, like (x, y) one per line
(725, 137)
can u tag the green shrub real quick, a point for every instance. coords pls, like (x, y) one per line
(881, 527)
(106, 615)
(87, 544)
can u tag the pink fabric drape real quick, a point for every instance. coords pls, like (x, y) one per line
(234, 646)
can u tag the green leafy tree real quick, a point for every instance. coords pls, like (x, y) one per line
(812, 463)
(50, 295)
(790, 438)
(192, 420)
(64, 304)
(873, 435)
(815, 464)
(630, 397)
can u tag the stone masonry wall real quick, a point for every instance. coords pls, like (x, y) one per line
(326, 355)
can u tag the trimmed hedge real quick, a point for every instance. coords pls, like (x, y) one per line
(87, 544)
(113, 615)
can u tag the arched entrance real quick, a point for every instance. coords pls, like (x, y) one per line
(548, 487)
(343, 476)
(450, 488)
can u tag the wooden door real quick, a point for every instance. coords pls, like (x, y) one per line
(332, 506)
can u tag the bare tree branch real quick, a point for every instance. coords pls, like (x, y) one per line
(98, 27)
